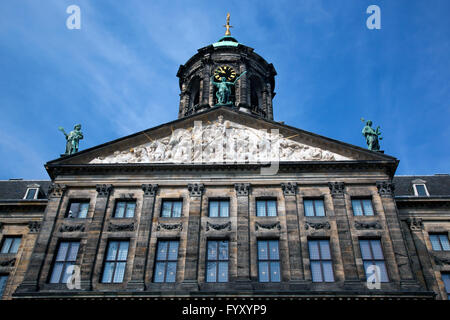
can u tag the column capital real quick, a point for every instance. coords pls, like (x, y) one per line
(415, 224)
(196, 189)
(289, 188)
(150, 190)
(56, 190)
(385, 188)
(242, 189)
(103, 190)
(337, 189)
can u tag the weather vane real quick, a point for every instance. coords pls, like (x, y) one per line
(228, 26)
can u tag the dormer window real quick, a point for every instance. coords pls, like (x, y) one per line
(420, 190)
(31, 193)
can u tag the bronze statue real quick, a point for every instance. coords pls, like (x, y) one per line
(73, 139)
(224, 90)
(371, 136)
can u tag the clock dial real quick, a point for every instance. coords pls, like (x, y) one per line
(224, 71)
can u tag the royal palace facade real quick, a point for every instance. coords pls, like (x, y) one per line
(224, 202)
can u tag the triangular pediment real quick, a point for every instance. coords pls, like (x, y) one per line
(221, 135)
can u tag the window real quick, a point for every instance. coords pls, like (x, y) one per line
(78, 209)
(314, 208)
(268, 261)
(31, 193)
(3, 280)
(440, 242)
(10, 244)
(372, 254)
(115, 262)
(125, 209)
(421, 190)
(321, 263)
(362, 207)
(217, 261)
(266, 208)
(66, 257)
(171, 208)
(166, 261)
(219, 208)
(446, 279)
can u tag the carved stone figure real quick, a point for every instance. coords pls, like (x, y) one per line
(371, 136)
(72, 139)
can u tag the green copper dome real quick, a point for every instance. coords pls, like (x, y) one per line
(226, 41)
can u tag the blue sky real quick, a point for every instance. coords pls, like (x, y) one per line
(117, 74)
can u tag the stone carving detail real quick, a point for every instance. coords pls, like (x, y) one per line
(8, 263)
(56, 190)
(121, 227)
(72, 228)
(385, 188)
(34, 226)
(242, 189)
(169, 226)
(317, 225)
(150, 190)
(218, 142)
(103, 190)
(337, 188)
(218, 226)
(415, 224)
(289, 189)
(441, 261)
(196, 189)
(367, 225)
(268, 226)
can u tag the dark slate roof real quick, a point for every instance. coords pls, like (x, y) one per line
(437, 185)
(16, 189)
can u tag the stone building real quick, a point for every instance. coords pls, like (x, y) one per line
(225, 201)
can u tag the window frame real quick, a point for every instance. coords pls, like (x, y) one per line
(314, 207)
(321, 260)
(416, 192)
(35, 194)
(268, 260)
(217, 260)
(438, 235)
(79, 201)
(126, 201)
(115, 261)
(446, 288)
(2, 290)
(14, 238)
(65, 261)
(219, 200)
(166, 261)
(266, 200)
(171, 208)
(360, 200)
(374, 260)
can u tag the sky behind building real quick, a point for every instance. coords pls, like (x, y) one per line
(117, 74)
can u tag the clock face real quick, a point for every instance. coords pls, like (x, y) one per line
(224, 71)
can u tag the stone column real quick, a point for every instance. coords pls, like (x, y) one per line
(386, 191)
(137, 281)
(94, 233)
(337, 190)
(32, 279)
(269, 102)
(243, 232)
(293, 232)
(193, 235)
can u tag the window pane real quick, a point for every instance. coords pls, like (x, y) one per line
(212, 250)
(444, 242)
(73, 251)
(421, 190)
(7, 244)
(159, 272)
(224, 208)
(313, 250)
(223, 272)
(56, 274)
(31, 193)
(368, 210)
(325, 249)
(275, 272)
(357, 210)
(131, 206)
(173, 250)
(261, 208)
(223, 250)
(211, 271)
(162, 250)
(119, 273)
(273, 248)
(108, 272)
(112, 250)
(62, 252)
(309, 208)
(66, 272)
(383, 271)
(435, 242)
(74, 210)
(123, 251)
(167, 207)
(316, 272)
(120, 209)
(3, 280)
(365, 249)
(177, 209)
(262, 250)
(368, 271)
(328, 271)
(171, 271)
(83, 210)
(446, 280)
(320, 211)
(263, 272)
(272, 208)
(214, 209)
(376, 249)
(15, 245)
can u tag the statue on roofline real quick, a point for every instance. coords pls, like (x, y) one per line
(72, 139)
(371, 135)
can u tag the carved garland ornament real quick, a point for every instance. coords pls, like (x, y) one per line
(166, 226)
(121, 227)
(317, 225)
(74, 228)
(8, 263)
(268, 226)
(367, 225)
(218, 226)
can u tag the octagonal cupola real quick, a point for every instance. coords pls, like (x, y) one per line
(227, 73)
